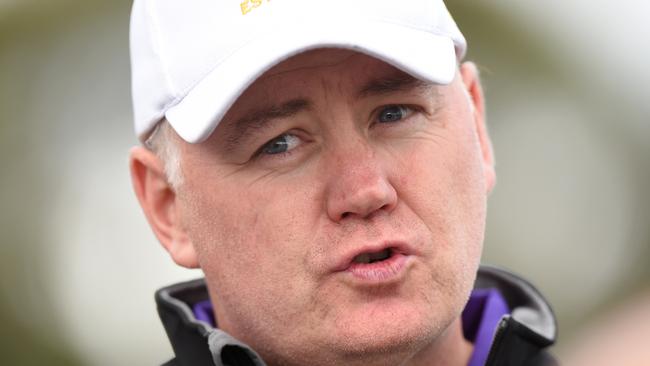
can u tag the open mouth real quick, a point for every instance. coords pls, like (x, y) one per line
(367, 258)
(380, 266)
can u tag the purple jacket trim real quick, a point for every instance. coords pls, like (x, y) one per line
(480, 319)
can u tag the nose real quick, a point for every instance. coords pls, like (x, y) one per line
(358, 186)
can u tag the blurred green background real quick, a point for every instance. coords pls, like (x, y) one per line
(567, 86)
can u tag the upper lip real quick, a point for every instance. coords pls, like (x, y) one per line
(345, 260)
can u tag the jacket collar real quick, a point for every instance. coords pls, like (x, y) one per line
(520, 337)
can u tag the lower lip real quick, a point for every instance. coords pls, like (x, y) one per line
(380, 272)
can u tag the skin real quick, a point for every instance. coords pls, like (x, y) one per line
(266, 229)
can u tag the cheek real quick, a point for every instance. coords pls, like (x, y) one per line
(237, 235)
(252, 236)
(442, 182)
(442, 185)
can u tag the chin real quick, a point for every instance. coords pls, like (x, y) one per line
(388, 332)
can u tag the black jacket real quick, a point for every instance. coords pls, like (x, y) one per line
(521, 338)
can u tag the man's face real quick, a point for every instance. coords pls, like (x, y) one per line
(331, 160)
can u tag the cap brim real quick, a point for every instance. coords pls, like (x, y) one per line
(422, 54)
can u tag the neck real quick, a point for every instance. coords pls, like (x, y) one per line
(451, 349)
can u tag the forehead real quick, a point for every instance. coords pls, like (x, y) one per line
(307, 75)
(324, 57)
(343, 64)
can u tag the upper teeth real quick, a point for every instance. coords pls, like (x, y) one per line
(372, 257)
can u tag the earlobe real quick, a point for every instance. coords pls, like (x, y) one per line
(472, 82)
(159, 204)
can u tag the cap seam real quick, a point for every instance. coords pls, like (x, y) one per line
(435, 28)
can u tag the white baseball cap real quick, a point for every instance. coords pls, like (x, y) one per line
(192, 59)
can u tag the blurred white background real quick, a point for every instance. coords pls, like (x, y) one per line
(566, 85)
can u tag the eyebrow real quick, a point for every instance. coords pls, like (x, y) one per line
(259, 118)
(392, 84)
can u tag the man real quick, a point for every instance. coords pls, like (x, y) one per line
(326, 164)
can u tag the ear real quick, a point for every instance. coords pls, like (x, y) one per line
(469, 74)
(158, 201)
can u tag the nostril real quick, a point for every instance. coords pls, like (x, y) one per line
(345, 214)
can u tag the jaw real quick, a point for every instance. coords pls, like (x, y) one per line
(388, 346)
(386, 326)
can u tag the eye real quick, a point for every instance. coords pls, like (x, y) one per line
(281, 144)
(393, 113)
